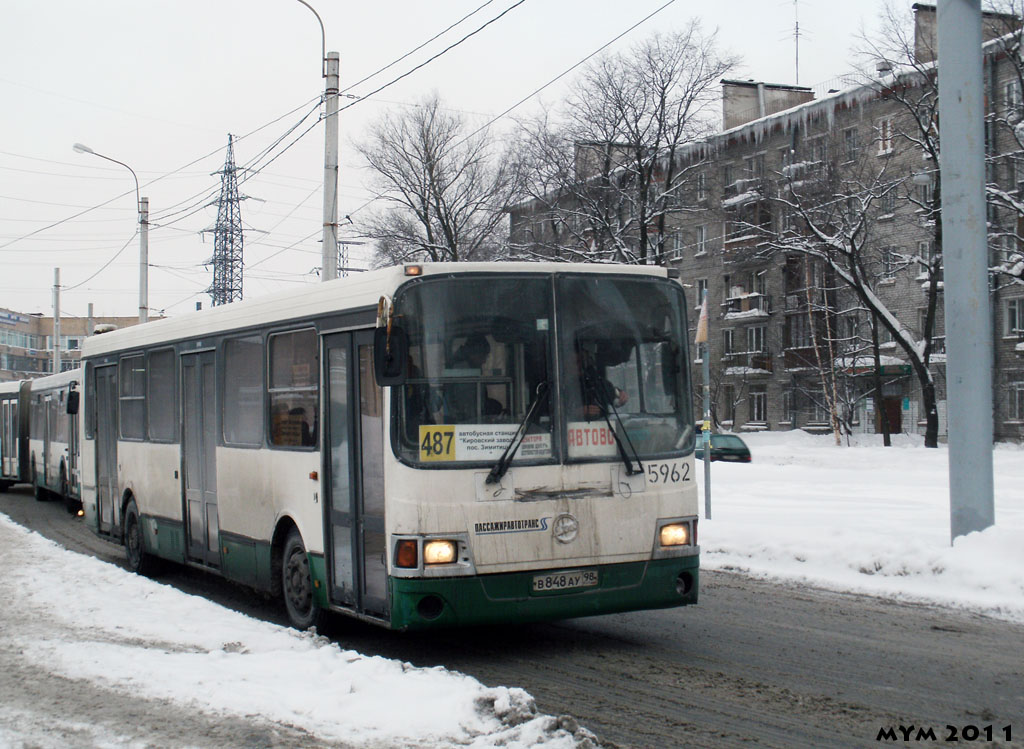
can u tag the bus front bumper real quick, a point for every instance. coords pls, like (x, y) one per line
(419, 603)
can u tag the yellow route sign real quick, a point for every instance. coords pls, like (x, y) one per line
(437, 443)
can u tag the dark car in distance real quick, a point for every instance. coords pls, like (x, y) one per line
(724, 447)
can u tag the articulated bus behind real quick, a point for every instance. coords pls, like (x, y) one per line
(14, 417)
(53, 442)
(420, 446)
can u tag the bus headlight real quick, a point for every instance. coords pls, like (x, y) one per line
(439, 552)
(675, 534)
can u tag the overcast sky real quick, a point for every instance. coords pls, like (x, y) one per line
(160, 84)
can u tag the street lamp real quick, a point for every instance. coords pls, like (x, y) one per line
(143, 206)
(330, 69)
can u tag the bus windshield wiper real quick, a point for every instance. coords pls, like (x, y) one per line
(631, 470)
(501, 467)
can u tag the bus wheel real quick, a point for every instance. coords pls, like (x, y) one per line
(139, 561)
(297, 584)
(69, 503)
(41, 493)
(4, 486)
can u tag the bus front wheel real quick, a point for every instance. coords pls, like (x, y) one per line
(297, 584)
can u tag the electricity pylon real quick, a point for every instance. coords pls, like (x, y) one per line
(227, 236)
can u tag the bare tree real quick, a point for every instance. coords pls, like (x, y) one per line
(444, 191)
(833, 213)
(609, 173)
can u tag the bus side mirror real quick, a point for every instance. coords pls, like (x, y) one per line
(390, 354)
(72, 405)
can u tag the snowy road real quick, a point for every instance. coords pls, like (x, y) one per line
(755, 663)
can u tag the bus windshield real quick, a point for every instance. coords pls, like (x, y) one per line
(482, 351)
(624, 379)
(479, 349)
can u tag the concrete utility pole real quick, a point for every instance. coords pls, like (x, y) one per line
(143, 260)
(329, 251)
(965, 255)
(143, 206)
(56, 320)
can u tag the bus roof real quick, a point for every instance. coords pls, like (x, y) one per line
(360, 291)
(57, 380)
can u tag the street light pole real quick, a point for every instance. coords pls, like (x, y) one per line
(143, 208)
(331, 64)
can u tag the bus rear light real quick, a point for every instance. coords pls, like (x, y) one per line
(405, 554)
(675, 534)
(439, 552)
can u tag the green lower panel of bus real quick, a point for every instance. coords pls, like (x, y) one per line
(503, 598)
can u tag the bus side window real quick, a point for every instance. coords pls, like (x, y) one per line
(293, 391)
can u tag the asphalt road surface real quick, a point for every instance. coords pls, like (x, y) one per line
(754, 664)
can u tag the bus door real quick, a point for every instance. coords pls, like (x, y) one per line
(49, 435)
(107, 510)
(73, 448)
(354, 475)
(199, 459)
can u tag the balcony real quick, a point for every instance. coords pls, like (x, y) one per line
(744, 191)
(748, 363)
(747, 304)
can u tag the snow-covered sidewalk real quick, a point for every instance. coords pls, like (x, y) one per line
(866, 519)
(73, 617)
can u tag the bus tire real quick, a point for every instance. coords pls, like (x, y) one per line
(4, 486)
(139, 561)
(297, 584)
(41, 494)
(71, 504)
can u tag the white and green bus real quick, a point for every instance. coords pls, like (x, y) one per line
(420, 446)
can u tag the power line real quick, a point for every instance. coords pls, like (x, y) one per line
(151, 182)
(439, 54)
(417, 49)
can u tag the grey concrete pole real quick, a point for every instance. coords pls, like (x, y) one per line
(330, 242)
(56, 320)
(143, 260)
(965, 255)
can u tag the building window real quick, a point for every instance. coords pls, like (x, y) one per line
(132, 394)
(727, 175)
(702, 288)
(799, 331)
(886, 135)
(294, 379)
(727, 341)
(701, 242)
(819, 409)
(851, 144)
(924, 195)
(1016, 398)
(702, 186)
(728, 404)
(758, 404)
(1014, 317)
(787, 406)
(243, 401)
(887, 201)
(755, 338)
(1012, 98)
(890, 261)
(924, 255)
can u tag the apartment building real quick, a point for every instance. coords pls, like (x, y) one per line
(26, 342)
(790, 342)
